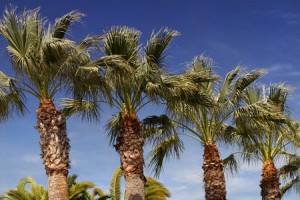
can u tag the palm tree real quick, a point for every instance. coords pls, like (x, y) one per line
(42, 59)
(137, 80)
(205, 124)
(266, 133)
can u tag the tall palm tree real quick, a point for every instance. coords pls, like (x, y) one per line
(147, 83)
(135, 84)
(42, 58)
(266, 133)
(205, 124)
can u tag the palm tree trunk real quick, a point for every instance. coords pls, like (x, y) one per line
(130, 147)
(55, 147)
(269, 183)
(214, 179)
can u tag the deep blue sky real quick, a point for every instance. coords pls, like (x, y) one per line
(251, 33)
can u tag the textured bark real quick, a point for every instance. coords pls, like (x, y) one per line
(55, 147)
(214, 179)
(130, 147)
(58, 187)
(269, 183)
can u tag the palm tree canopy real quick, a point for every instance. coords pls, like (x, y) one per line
(42, 58)
(206, 124)
(265, 128)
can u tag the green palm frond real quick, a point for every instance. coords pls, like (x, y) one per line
(36, 192)
(294, 184)
(158, 128)
(231, 165)
(115, 185)
(23, 33)
(122, 41)
(62, 24)
(227, 84)
(99, 194)
(171, 147)
(11, 98)
(86, 109)
(155, 190)
(79, 188)
(291, 169)
(244, 81)
(156, 47)
(113, 128)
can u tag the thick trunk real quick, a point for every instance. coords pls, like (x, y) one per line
(214, 179)
(269, 183)
(58, 187)
(55, 147)
(130, 147)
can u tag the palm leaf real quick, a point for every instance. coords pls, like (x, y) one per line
(156, 47)
(163, 151)
(115, 185)
(86, 109)
(62, 24)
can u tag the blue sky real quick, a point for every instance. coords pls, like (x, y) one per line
(251, 33)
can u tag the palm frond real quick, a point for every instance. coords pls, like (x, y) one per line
(88, 110)
(231, 165)
(79, 188)
(170, 147)
(155, 190)
(122, 41)
(113, 128)
(227, 84)
(115, 185)
(294, 184)
(158, 128)
(62, 24)
(156, 47)
(11, 98)
(244, 81)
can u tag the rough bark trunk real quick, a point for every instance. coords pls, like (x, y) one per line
(55, 147)
(130, 147)
(214, 179)
(269, 183)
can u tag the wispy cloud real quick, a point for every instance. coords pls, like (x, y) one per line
(289, 17)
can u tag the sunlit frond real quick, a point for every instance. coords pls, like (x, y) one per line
(155, 190)
(79, 188)
(244, 81)
(62, 24)
(156, 47)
